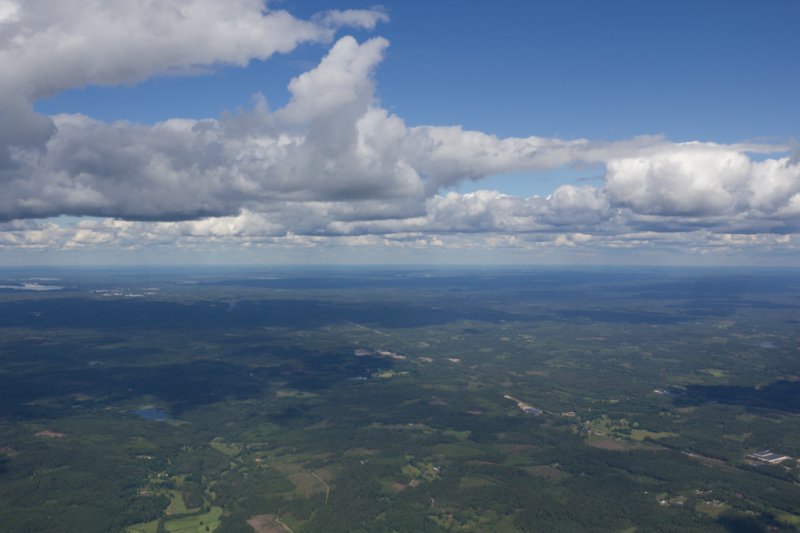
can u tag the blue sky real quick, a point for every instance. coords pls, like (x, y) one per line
(650, 98)
(712, 70)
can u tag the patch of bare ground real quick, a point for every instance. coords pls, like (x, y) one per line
(50, 434)
(266, 523)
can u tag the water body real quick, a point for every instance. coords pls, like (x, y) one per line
(151, 413)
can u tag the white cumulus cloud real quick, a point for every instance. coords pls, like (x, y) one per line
(333, 164)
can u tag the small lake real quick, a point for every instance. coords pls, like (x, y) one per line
(151, 413)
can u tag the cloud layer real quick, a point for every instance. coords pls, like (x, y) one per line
(330, 164)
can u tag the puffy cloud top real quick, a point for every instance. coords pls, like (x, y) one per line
(51, 45)
(47, 46)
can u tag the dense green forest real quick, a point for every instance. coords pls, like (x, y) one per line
(370, 400)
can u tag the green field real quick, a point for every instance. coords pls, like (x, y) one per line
(200, 523)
